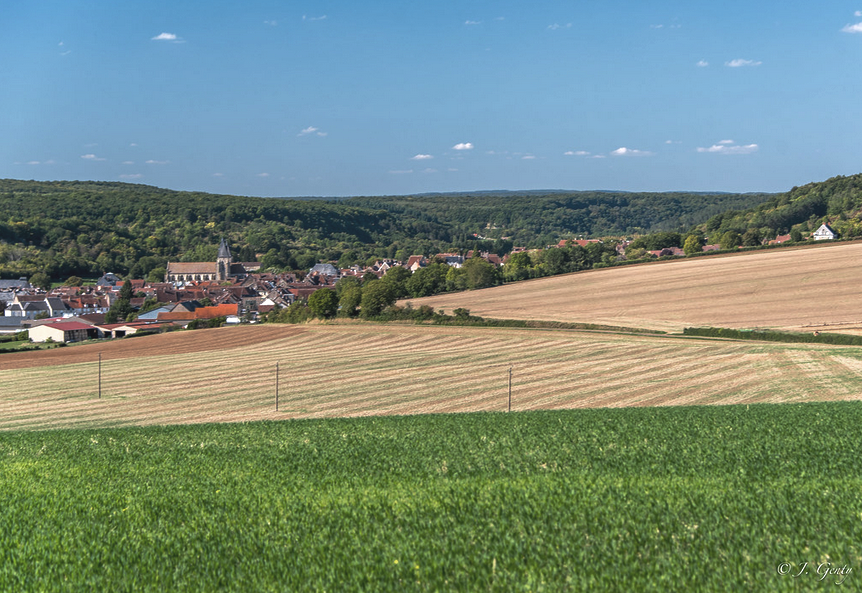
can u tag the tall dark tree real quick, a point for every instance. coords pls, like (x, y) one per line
(323, 303)
(376, 296)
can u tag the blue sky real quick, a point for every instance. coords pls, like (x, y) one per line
(342, 98)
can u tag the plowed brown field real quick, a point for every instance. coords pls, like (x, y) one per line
(796, 289)
(143, 346)
(228, 375)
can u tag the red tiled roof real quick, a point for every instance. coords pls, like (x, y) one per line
(201, 313)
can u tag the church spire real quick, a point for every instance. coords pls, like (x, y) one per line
(223, 250)
(223, 262)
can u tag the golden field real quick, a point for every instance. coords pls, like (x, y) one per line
(813, 288)
(228, 374)
(357, 369)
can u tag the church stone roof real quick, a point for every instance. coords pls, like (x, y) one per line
(191, 268)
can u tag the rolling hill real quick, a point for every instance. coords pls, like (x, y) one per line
(815, 287)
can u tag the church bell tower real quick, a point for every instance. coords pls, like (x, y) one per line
(223, 261)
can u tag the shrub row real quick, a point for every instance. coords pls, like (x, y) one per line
(426, 314)
(774, 336)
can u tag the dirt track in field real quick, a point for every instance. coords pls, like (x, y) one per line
(181, 342)
(806, 289)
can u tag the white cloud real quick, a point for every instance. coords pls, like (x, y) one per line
(576, 153)
(463, 146)
(401, 172)
(270, 23)
(133, 144)
(91, 157)
(702, 64)
(739, 63)
(218, 174)
(857, 13)
(312, 130)
(472, 22)
(421, 157)
(857, 28)
(263, 174)
(131, 176)
(556, 26)
(528, 157)
(314, 18)
(152, 162)
(727, 147)
(167, 37)
(33, 163)
(429, 170)
(128, 162)
(623, 151)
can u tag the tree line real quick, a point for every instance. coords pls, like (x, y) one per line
(85, 229)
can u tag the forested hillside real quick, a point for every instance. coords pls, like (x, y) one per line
(536, 219)
(837, 201)
(87, 228)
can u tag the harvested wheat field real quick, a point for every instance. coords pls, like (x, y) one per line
(794, 289)
(366, 369)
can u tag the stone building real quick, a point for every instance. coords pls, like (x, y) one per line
(222, 270)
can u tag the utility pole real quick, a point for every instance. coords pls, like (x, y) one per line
(510, 388)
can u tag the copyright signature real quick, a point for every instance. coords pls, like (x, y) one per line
(820, 571)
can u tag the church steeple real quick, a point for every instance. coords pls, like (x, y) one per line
(223, 261)
(223, 250)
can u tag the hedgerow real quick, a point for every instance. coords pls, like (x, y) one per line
(775, 336)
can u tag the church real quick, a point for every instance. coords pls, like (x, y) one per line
(222, 270)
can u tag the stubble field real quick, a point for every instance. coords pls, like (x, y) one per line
(793, 289)
(229, 374)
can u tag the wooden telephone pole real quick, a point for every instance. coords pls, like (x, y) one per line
(510, 388)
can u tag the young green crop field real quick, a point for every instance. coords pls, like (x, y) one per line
(708, 498)
(371, 369)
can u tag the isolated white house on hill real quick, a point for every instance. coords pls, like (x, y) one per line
(824, 233)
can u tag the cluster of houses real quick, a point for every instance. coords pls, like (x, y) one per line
(192, 291)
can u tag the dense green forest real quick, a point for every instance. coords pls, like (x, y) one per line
(537, 219)
(837, 201)
(67, 228)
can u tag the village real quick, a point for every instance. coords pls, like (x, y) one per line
(195, 294)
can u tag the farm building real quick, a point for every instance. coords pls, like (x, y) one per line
(63, 331)
(120, 330)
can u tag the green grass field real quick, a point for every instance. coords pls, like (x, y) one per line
(639, 499)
